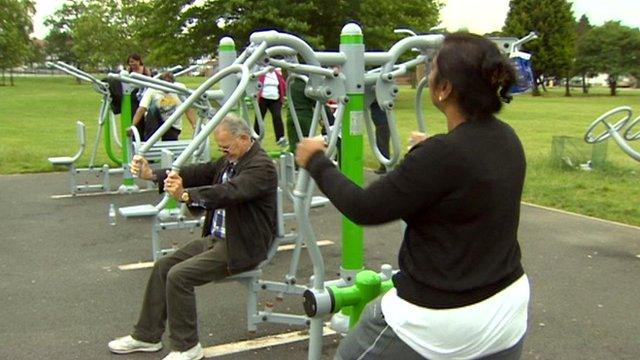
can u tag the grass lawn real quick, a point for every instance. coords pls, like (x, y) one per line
(38, 117)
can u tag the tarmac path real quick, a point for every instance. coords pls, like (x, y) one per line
(63, 296)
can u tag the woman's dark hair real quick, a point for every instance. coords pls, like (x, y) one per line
(135, 57)
(138, 58)
(480, 75)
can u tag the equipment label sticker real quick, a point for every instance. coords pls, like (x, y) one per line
(356, 120)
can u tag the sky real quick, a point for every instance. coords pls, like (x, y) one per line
(479, 16)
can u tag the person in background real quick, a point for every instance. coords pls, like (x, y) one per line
(461, 291)
(271, 97)
(156, 107)
(303, 107)
(238, 192)
(135, 65)
(116, 87)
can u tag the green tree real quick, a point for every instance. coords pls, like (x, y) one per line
(92, 33)
(553, 21)
(15, 27)
(177, 30)
(36, 52)
(102, 36)
(59, 40)
(581, 66)
(613, 49)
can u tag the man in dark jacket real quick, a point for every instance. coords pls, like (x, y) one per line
(238, 192)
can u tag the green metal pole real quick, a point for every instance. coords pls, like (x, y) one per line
(107, 143)
(351, 153)
(126, 118)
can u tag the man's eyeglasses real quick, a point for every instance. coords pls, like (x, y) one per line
(226, 148)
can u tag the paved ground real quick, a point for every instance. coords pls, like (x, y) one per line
(62, 295)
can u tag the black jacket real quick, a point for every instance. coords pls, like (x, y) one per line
(459, 194)
(249, 200)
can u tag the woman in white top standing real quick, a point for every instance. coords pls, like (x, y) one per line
(271, 96)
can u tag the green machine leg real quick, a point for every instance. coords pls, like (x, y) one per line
(126, 118)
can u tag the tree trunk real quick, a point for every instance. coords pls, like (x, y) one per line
(585, 88)
(567, 90)
(543, 85)
(11, 77)
(612, 87)
(3, 79)
(535, 91)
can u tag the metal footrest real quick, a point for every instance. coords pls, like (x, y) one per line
(62, 160)
(318, 201)
(138, 211)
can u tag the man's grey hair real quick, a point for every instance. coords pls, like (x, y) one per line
(235, 125)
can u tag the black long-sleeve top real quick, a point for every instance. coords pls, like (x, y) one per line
(459, 194)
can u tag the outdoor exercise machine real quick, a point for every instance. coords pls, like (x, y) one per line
(521, 61)
(106, 124)
(347, 86)
(613, 131)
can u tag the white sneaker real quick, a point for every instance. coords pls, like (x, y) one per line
(195, 353)
(127, 344)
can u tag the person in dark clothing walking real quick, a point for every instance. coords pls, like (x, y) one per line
(461, 291)
(238, 192)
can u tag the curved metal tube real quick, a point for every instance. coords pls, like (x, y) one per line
(292, 109)
(185, 71)
(628, 135)
(226, 108)
(422, 126)
(208, 128)
(301, 203)
(99, 86)
(588, 138)
(252, 54)
(303, 68)
(148, 81)
(274, 38)
(284, 51)
(142, 80)
(332, 147)
(621, 143)
(189, 101)
(403, 68)
(114, 128)
(394, 155)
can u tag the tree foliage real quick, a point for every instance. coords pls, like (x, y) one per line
(553, 52)
(167, 32)
(60, 37)
(93, 33)
(15, 27)
(613, 49)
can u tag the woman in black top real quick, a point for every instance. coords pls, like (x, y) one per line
(459, 194)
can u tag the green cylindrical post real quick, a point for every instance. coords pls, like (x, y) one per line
(107, 143)
(351, 155)
(126, 118)
(226, 57)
